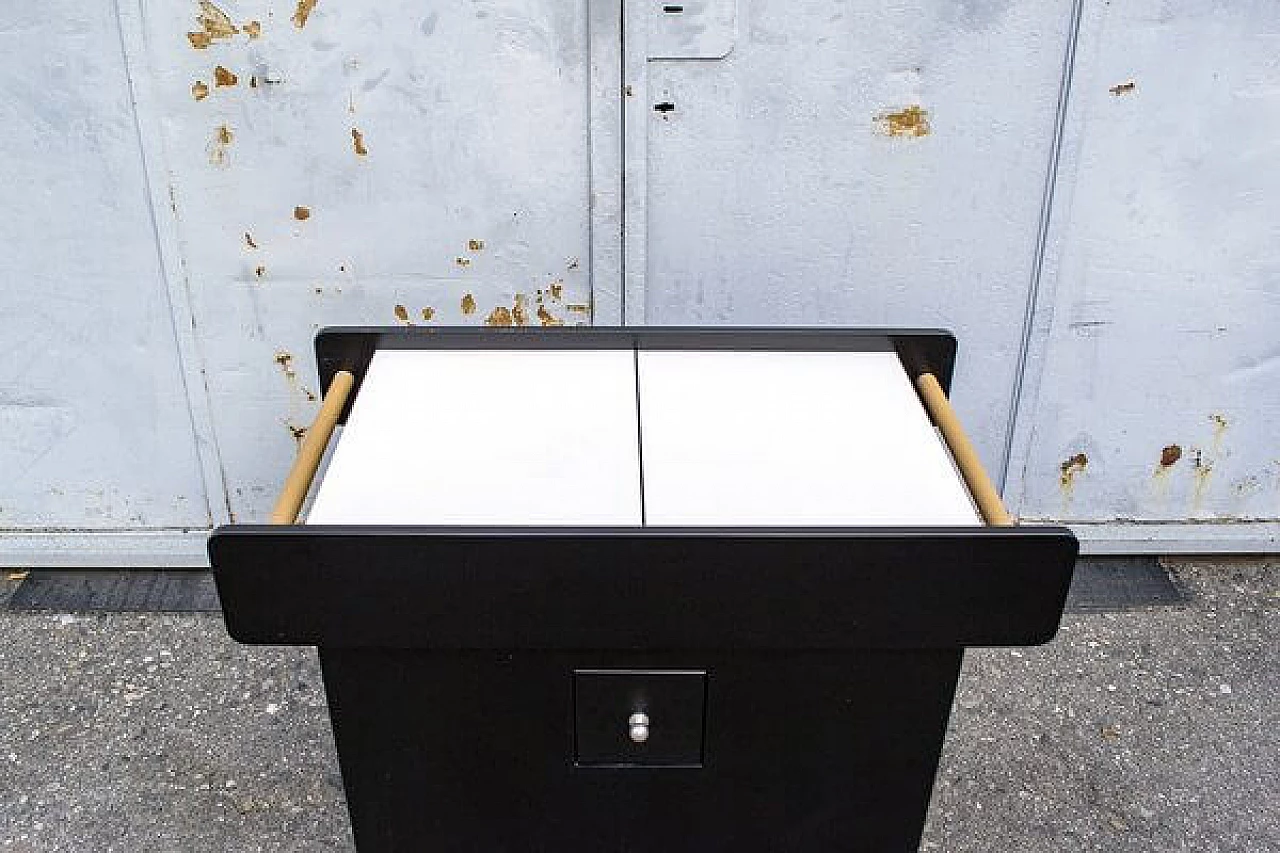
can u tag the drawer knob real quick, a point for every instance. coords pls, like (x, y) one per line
(638, 727)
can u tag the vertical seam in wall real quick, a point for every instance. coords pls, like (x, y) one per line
(1042, 238)
(605, 150)
(622, 178)
(635, 73)
(210, 456)
(591, 157)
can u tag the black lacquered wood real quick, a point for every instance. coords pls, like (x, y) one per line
(629, 588)
(828, 657)
(810, 752)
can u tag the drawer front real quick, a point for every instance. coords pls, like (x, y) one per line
(639, 718)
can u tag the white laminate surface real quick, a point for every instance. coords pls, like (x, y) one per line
(791, 439)
(488, 437)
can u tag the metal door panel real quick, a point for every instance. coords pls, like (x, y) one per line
(1156, 397)
(94, 421)
(390, 163)
(861, 163)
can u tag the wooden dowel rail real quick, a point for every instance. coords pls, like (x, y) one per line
(975, 476)
(298, 483)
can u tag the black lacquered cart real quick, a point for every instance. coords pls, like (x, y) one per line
(639, 589)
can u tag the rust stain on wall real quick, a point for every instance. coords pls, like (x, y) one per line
(1123, 88)
(1169, 457)
(1070, 468)
(248, 239)
(462, 262)
(428, 314)
(520, 311)
(468, 304)
(224, 77)
(302, 12)
(285, 359)
(259, 271)
(475, 245)
(222, 137)
(911, 121)
(357, 142)
(557, 290)
(1203, 473)
(214, 21)
(547, 318)
(500, 316)
(402, 314)
(253, 29)
(299, 433)
(1220, 427)
(301, 213)
(579, 307)
(199, 90)
(214, 24)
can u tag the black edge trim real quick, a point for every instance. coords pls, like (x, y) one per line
(352, 347)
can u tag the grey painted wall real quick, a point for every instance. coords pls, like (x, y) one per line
(1083, 191)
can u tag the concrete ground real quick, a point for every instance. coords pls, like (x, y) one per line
(1151, 731)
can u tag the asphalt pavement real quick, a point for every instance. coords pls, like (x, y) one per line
(1155, 730)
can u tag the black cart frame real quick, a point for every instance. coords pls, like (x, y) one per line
(475, 675)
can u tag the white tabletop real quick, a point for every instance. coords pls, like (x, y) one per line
(488, 437)
(791, 439)
(565, 437)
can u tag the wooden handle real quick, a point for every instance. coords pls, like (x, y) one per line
(975, 476)
(298, 483)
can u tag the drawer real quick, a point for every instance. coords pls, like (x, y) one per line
(639, 718)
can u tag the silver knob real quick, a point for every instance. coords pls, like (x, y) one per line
(638, 727)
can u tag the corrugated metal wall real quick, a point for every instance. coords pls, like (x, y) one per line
(1083, 191)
